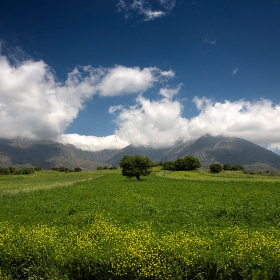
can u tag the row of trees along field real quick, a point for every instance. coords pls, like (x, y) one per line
(182, 164)
(66, 169)
(16, 171)
(216, 167)
(136, 166)
(29, 170)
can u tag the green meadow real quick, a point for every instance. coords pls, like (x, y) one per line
(169, 225)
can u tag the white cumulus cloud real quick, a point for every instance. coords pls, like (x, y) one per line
(123, 80)
(34, 104)
(257, 121)
(152, 123)
(169, 92)
(160, 123)
(93, 143)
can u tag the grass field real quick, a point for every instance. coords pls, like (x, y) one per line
(169, 225)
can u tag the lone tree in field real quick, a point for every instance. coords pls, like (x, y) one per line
(135, 166)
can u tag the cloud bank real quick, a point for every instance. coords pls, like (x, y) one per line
(34, 104)
(145, 9)
(160, 123)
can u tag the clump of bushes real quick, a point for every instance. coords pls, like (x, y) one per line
(38, 168)
(16, 171)
(215, 168)
(106, 168)
(77, 169)
(235, 167)
(182, 164)
(66, 169)
(4, 170)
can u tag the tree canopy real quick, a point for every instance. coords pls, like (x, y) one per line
(215, 168)
(135, 166)
(182, 164)
(192, 163)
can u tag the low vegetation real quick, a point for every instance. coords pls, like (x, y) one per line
(182, 164)
(215, 168)
(66, 169)
(170, 225)
(106, 167)
(16, 171)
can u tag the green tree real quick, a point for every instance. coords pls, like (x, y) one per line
(226, 166)
(180, 164)
(135, 166)
(5, 170)
(113, 168)
(77, 169)
(168, 165)
(12, 169)
(38, 168)
(192, 163)
(215, 168)
(237, 167)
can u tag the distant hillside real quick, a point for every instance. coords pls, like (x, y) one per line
(208, 149)
(231, 150)
(44, 153)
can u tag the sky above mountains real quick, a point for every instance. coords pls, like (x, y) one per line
(105, 74)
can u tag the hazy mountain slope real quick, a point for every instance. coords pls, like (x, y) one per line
(208, 149)
(44, 153)
(231, 150)
(154, 154)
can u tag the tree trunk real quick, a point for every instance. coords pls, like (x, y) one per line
(138, 177)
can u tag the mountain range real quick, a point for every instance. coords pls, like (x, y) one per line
(208, 149)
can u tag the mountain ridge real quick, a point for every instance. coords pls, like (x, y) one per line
(208, 149)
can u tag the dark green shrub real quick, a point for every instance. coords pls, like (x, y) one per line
(38, 168)
(237, 167)
(60, 168)
(26, 171)
(180, 164)
(12, 169)
(168, 165)
(192, 163)
(226, 166)
(215, 168)
(113, 168)
(4, 170)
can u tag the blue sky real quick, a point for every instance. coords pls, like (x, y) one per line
(106, 74)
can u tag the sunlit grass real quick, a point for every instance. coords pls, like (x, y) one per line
(101, 225)
(224, 175)
(43, 180)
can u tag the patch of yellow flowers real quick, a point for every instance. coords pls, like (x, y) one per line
(140, 252)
